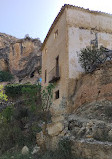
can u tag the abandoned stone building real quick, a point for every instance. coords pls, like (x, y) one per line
(73, 29)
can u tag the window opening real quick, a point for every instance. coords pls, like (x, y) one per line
(57, 94)
(56, 34)
(45, 76)
(57, 66)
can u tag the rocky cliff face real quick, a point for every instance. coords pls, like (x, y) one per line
(93, 86)
(22, 57)
(88, 125)
(6, 40)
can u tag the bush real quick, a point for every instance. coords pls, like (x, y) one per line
(15, 90)
(91, 58)
(5, 76)
(21, 120)
(7, 114)
(32, 97)
(62, 152)
(18, 122)
(10, 135)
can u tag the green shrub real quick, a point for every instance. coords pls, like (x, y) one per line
(32, 97)
(10, 135)
(5, 76)
(3, 96)
(22, 119)
(15, 90)
(19, 122)
(91, 58)
(7, 113)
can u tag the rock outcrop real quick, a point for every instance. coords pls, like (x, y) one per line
(22, 57)
(6, 40)
(25, 58)
(93, 86)
(88, 124)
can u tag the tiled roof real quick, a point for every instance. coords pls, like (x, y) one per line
(61, 12)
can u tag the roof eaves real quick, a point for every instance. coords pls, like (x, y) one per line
(61, 12)
(53, 25)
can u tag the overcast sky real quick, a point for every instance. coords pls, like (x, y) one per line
(34, 17)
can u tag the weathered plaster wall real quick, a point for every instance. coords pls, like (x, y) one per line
(87, 19)
(55, 47)
(77, 40)
(81, 31)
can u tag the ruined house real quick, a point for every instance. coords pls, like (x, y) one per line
(73, 29)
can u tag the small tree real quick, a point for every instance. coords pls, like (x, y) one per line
(91, 58)
(39, 100)
(47, 97)
(31, 96)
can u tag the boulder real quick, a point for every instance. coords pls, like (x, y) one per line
(55, 128)
(25, 150)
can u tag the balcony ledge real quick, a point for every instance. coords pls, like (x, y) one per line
(54, 79)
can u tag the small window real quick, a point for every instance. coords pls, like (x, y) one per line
(45, 76)
(46, 50)
(57, 94)
(55, 34)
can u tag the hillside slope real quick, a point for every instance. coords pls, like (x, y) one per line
(90, 125)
